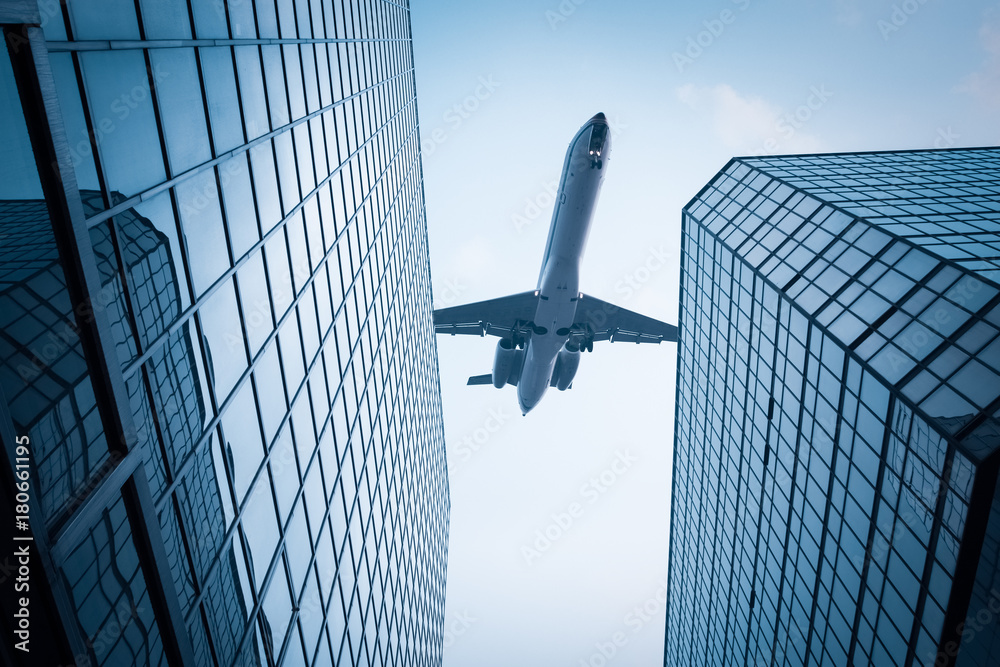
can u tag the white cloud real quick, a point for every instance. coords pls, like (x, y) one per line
(750, 125)
(985, 84)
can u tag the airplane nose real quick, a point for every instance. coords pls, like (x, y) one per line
(599, 116)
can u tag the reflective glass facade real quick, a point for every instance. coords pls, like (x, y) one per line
(215, 334)
(837, 439)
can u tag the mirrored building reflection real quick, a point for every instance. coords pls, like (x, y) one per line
(215, 334)
(837, 440)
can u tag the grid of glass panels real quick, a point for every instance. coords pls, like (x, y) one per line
(946, 201)
(984, 642)
(42, 368)
(819, 505)
(115, 612)
(924, 322)
(50, 396)
(251, 179)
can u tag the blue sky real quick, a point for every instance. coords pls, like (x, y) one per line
(502, 87)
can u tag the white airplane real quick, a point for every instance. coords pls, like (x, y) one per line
(543, 332)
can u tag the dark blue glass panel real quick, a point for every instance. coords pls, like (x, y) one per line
(265, 180)
(252, 96)
(256, 305)
(201, 220)
(238, 204)
(77, 133)
(243, 444)
(182, 110)
(260, 528)
(223, 97)
(111, 20)
(270, 388)
(210, 20)
(166, 19)
(107, 589)
(223, 340)
(118, 92)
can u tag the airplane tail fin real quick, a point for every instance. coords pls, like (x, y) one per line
(480, 379)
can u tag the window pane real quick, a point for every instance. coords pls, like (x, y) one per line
(178, 93)
(223, 102)
(201, 219)
(119, 95)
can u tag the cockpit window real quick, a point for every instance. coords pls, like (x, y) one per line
(598, 135)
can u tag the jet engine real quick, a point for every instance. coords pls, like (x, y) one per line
(503, 362)
(566, 364)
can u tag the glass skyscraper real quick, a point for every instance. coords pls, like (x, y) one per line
(220, 407)
(835, 494)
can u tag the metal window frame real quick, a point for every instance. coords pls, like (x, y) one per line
(126, 479)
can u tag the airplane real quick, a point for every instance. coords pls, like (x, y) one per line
(543, 332)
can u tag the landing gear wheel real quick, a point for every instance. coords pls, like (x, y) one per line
(600, 164)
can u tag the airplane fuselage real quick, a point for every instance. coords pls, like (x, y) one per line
(543, 332)
(559, 280)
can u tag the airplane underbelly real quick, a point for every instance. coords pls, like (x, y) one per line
(559, 282)
(536, 374)
(556, 312)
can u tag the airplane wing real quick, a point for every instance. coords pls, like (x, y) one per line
(606, 321)
(595, 319)
(495, 317)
